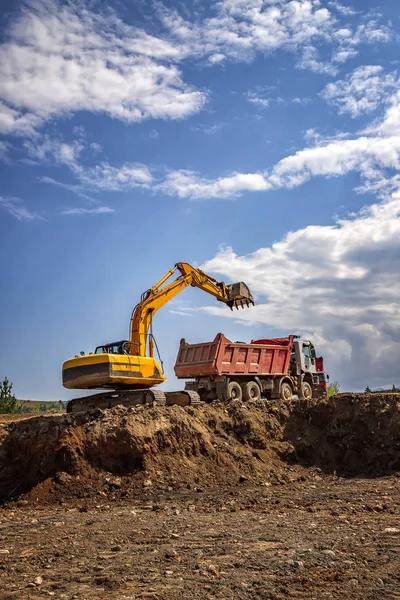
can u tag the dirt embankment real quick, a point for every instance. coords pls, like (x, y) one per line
(125, 451)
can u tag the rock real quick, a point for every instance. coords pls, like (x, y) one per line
(297, 564)
(115, 548)
(114, 482)
(62, 477)
(213, 569)
(353, 582)
(169, 573)
(328, 553)
(38, 580)
(31, 585)
(171, 553)
(147, 483)
(4, 551)
(175, 536)
(22, 503)
(391, 530)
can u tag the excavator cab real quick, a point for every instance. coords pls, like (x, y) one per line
(122, 347)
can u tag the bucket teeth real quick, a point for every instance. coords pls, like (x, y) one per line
(239, 295)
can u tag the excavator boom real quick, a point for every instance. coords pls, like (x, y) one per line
(233, 295)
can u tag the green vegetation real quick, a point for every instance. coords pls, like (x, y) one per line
(394, 389)
(8, 402)
(333, 388)
(36, 406)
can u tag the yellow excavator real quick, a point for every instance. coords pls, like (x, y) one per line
(128, 367)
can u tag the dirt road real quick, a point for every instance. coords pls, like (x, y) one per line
(330, 538)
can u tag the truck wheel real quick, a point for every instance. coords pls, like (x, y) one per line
(251, 391)
(234, 391)
(286, 392)
(306, 392)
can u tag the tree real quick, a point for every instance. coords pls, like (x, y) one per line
(367, 390)
(8, 401)
(394, 388)
(333, 389)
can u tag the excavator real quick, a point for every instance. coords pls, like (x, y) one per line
(128, 368)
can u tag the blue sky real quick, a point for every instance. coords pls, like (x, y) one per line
(258, 139)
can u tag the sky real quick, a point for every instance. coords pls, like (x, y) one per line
(256, 139)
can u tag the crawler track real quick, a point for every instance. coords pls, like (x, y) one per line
(132, 398)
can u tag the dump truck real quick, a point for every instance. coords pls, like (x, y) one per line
(269, 368)
(128, 368)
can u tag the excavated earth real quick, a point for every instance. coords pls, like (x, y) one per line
(257, 500)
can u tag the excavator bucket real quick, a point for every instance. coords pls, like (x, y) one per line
(239, 295)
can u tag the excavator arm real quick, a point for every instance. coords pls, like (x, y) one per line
(234, 295)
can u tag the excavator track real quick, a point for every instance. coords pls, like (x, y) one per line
(148, 397)
(183, 398)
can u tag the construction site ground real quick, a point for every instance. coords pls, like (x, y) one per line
(265, 501)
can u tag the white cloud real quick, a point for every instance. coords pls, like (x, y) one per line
(210, 129)
(364, 154)
(343, 10)
(304, 100)
(102, 177)
(374, 154)
(310, 60)
(362, 91)
(337, 284)
(46, 149)
(371, 32)
(108, 178)
(255, 98)
(241, 29)
(17, 123)
(16, 208)
(99, 210)
(63, 58)
(185, 183)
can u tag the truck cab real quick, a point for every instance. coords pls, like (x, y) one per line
(306, 365)
(305, 358)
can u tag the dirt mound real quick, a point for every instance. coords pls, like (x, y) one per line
(352, 434)
(123, 451)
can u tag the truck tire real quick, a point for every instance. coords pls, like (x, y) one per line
(251, 391)
(234, 391)
(286, 392)
(306, 392)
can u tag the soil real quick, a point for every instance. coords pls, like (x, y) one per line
(232, 501)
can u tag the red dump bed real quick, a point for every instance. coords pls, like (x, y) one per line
(223, 357)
